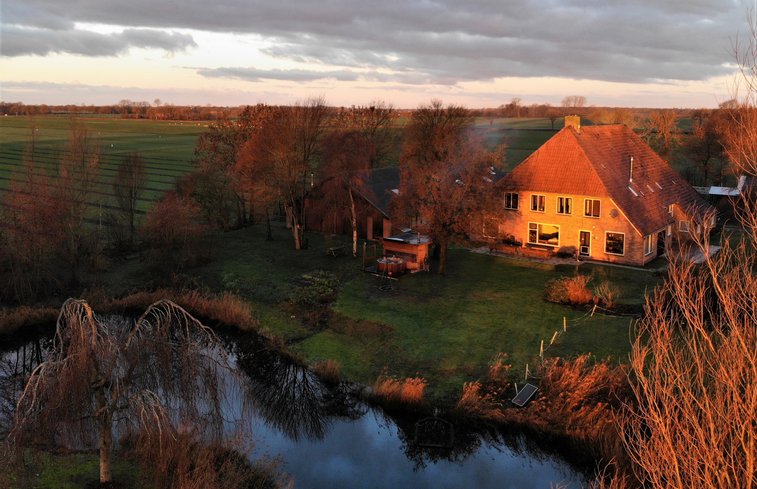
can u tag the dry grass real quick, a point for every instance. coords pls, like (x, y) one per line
(12, 320)
(225, 308)
(476, 402)
(578, 399)
(328, 370)
(404, 391)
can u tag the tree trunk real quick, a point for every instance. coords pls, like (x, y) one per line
(353, 216)
(442, 270)
(269, 233)
(295, 226)
(106, 435)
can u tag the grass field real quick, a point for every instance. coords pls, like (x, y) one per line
(446, 329)
(167, 148)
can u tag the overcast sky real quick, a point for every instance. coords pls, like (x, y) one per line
(480, 53)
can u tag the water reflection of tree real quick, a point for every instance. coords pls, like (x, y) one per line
(287, 394)
(18, 359)
(468, 439)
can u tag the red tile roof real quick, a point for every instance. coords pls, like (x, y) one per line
(596, 161)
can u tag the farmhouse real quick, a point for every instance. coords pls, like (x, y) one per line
(599, 192)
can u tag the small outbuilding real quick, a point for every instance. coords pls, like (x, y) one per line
(409, 246)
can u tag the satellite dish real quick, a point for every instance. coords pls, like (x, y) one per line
(614, 213)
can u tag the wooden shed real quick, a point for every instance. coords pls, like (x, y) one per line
(409, 246)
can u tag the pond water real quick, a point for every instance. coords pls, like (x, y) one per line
(325, 437)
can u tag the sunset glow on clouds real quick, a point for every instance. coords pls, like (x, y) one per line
(638, 53)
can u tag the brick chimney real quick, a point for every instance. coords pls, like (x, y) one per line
(573, 121)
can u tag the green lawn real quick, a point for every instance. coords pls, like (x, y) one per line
(75, 471)
(446, 329)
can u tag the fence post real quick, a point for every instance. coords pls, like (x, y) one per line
(554, 337)
(564, 323)
(541, 350)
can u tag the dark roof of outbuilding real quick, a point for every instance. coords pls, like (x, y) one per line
(377, 186)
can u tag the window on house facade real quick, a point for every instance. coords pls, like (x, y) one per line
(490, 227)
(543, 234)
(591, 207)
(564, 205)
(538, 202)
(615, 243)
(648, 241)
(511, 200)
(683, 226)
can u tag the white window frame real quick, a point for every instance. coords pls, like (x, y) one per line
(568, 207)
(648, 244)
(624, 243)
(591, 214)
(684, 226)
(540, 199)
(591, 237)
(517, 200)
(528, 234)
(496, 226)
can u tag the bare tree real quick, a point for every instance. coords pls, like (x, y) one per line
(174, 234)
(284, 154)
(705, 147)
(32, 221)
(660, 131)
(573, 101)
(360, 142)
(127, 188)
(694, 359)
(445, 175)
(77, 175)
(151, 380)
(214, 185)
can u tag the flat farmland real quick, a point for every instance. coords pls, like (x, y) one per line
(521, 136)
(166, 146)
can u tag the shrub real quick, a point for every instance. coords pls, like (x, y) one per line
(608, 293)
(569, 290)
(173, 234)
(566, 252)
(316, 288)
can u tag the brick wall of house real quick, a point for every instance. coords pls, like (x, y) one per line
(611, 219)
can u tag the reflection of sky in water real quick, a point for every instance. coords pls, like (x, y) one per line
(368, 454)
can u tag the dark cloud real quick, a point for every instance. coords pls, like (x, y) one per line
(443, 42)
(19, 41)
